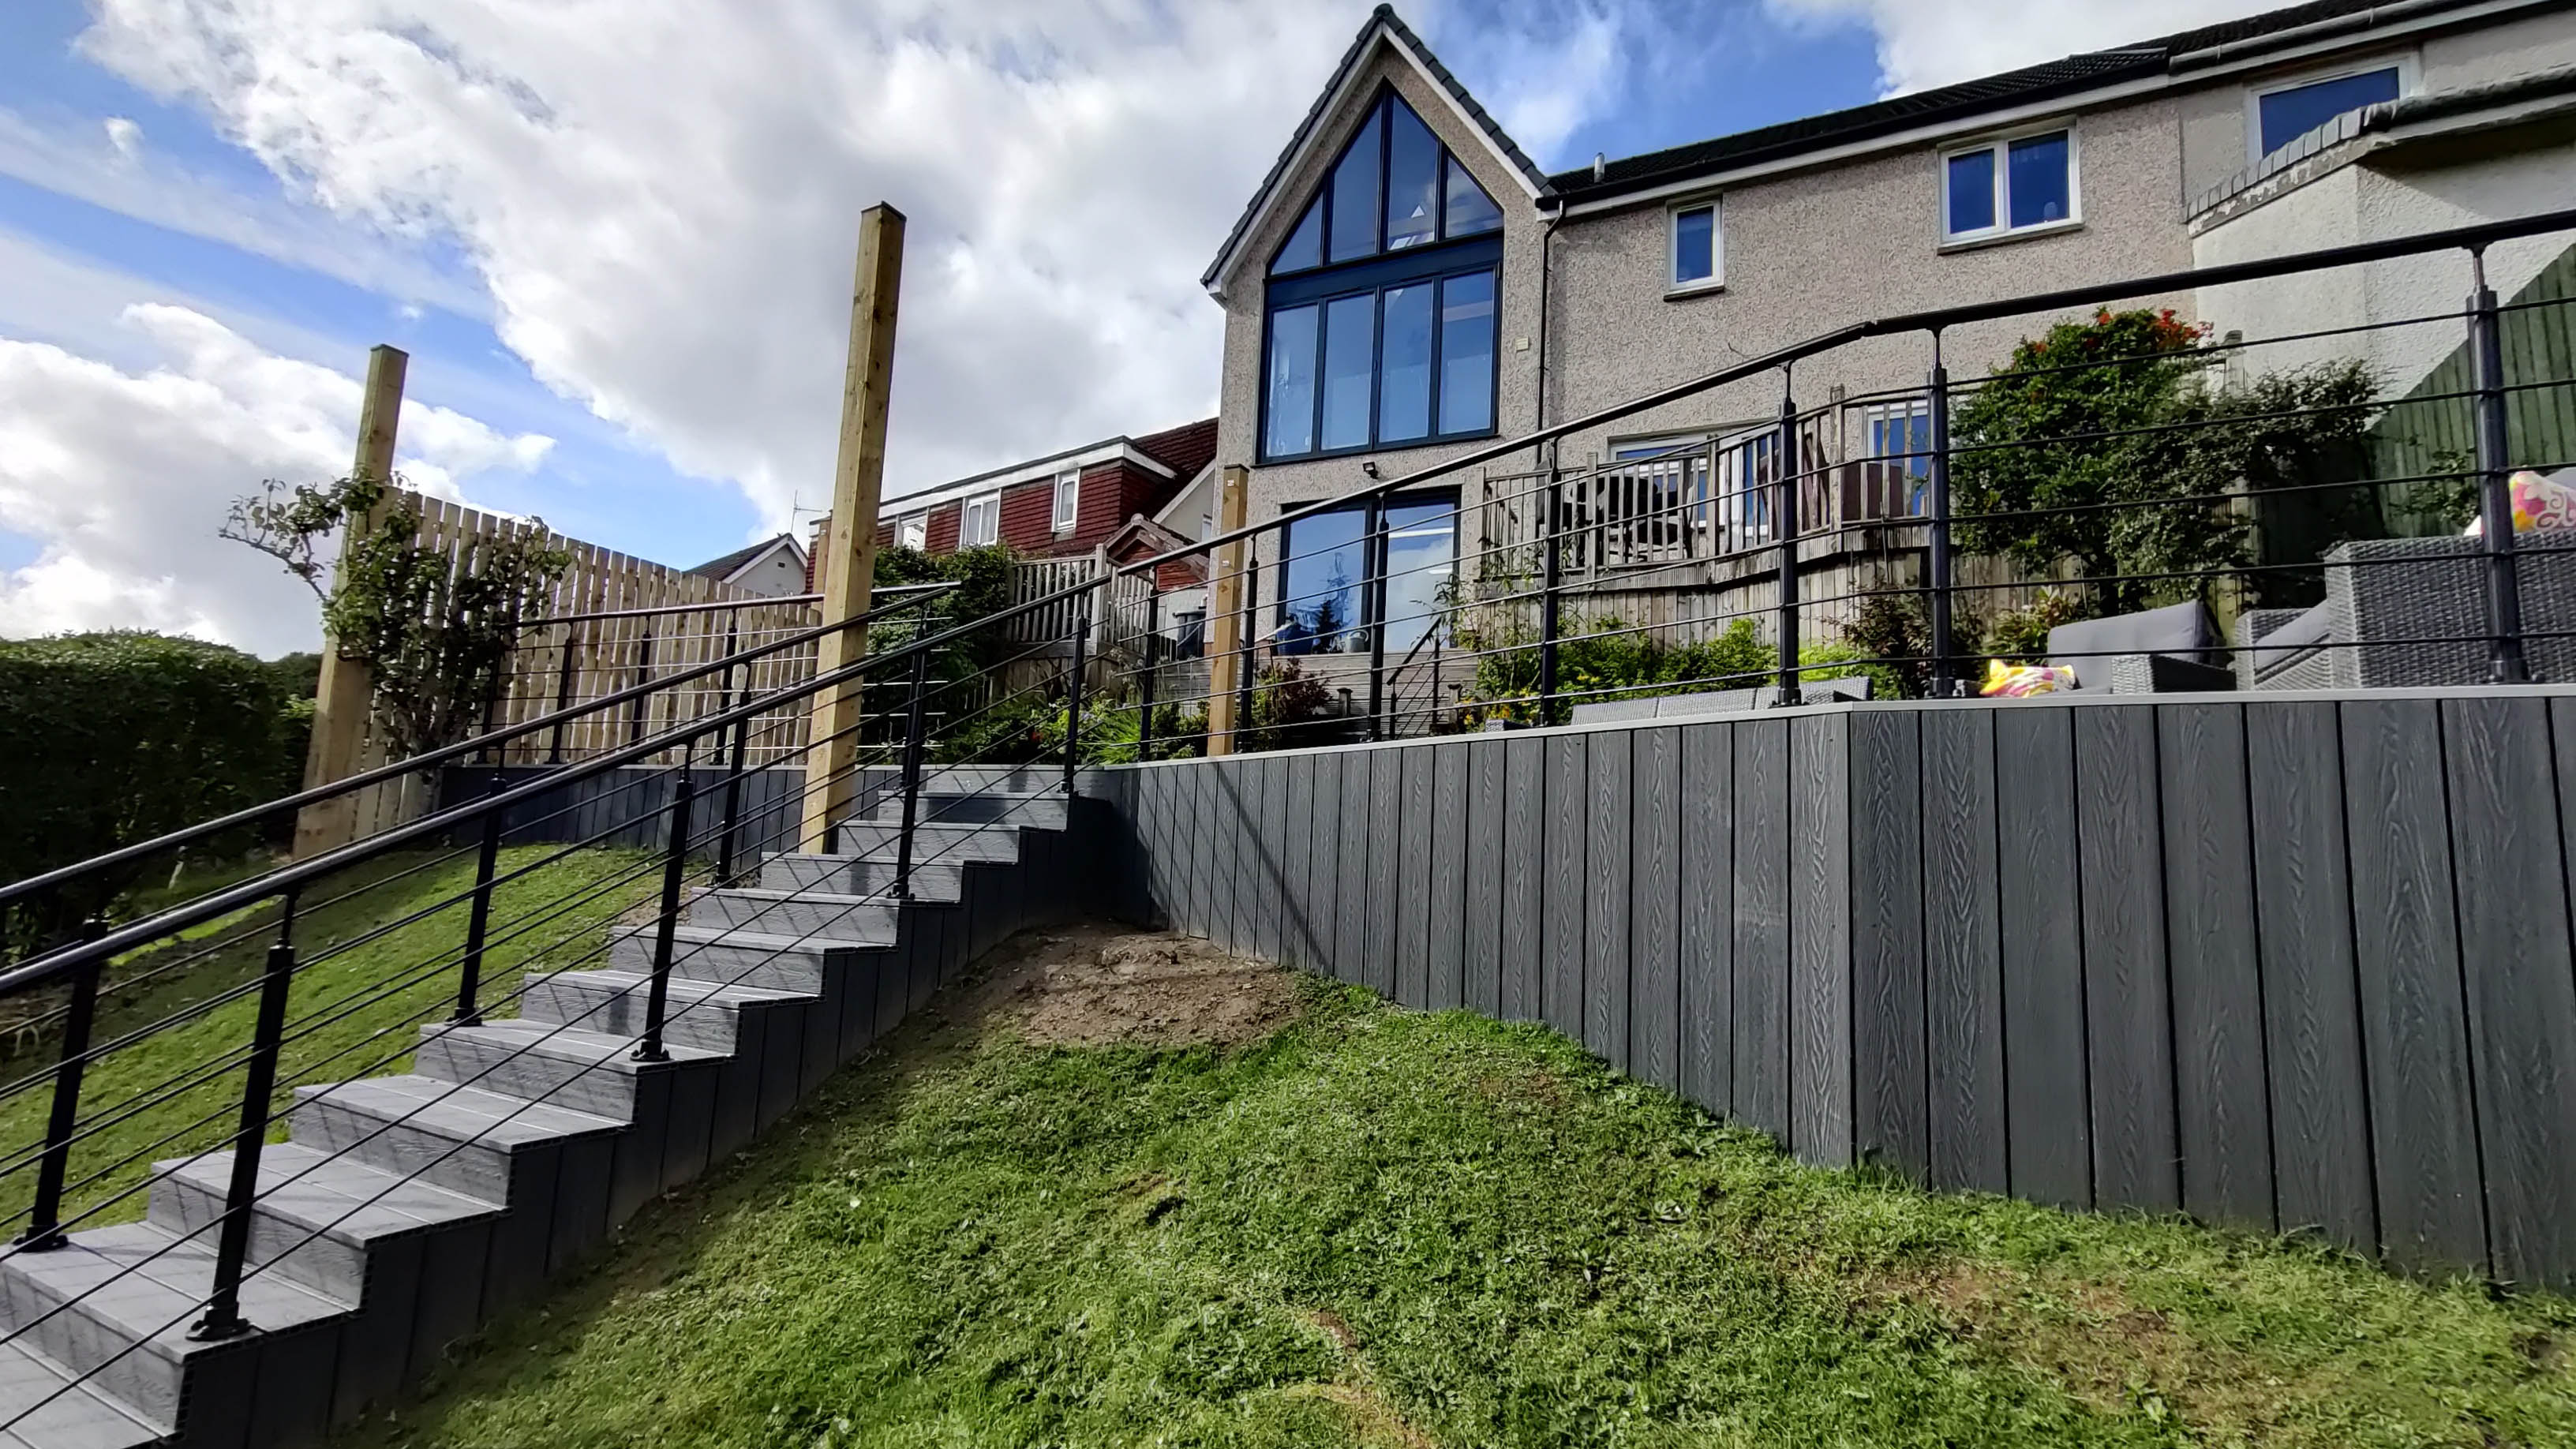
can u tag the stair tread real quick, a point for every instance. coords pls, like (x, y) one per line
(44, 1409)
(682, 988)
(493, 1119)
(565, 1043)
(684, 934)
(332, 1193)
(167, 1289)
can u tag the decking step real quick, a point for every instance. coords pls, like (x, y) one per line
(938, 883)
(115, 1304)
(751, 959)
(810, 914)
(1034, 811)
(463, 1139)
(704, 1014)
(931, 844)
(317, 1214)
(42, 1407)
(587, 1071)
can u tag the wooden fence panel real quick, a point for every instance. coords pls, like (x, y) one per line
(1963, 984)
(1760, 1018)
(1524, 872)
(1452, 825)
(1411, 900)
(1564, 887)
(1654, 910)
(2046, 1096)
(2120, 859)
(1707, 941)
(1891, 1121)
(1482, 949)
(1820, 970)
(1608, 802)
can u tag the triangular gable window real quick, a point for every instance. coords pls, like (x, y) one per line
(1395, 187)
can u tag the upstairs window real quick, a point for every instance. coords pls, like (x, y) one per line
(912, 533)
(1697, 251)
(1068, 499)
(1381, 323)
(1997, 188)
(2283, 115)
(981, 521)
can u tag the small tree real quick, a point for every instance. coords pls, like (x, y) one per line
(437, 640)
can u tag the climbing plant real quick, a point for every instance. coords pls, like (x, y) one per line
(437, 638)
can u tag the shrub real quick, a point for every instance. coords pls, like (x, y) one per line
(1605, 658)
(113, 738)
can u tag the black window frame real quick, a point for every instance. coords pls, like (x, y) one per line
(1371, 584)
(1434, 262)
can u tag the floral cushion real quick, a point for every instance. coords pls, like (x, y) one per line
(2538, 502)
(2015, 681)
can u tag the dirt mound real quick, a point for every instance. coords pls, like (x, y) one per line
(1100, 986)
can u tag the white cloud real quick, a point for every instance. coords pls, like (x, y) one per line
(125, 135)
(662, 197)
(1925, 43)
(123, 477)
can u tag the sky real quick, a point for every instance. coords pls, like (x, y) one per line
(616, 236)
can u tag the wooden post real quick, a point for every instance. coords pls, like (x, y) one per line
(345, 698)
(1225, 610)
(847, 554)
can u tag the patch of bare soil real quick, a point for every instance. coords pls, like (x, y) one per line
(1104, 986)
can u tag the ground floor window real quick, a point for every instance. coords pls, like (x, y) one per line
(1326, 604)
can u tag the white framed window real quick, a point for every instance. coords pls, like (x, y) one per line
(2281, 111)
(2030, 181)
(979, 522)
(913, 532)
(1898, 452)
(1068, 499)
(1694, 247)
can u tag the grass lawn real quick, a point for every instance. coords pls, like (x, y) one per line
(1381, 1227)
(367, 975)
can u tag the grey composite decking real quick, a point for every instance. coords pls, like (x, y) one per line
(2300, 963)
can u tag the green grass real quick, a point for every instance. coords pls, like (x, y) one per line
(362, 985)
(1383, 1227)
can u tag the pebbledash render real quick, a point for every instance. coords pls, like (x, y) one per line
(1619, 276)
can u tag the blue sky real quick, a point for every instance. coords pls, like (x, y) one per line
(620, 271)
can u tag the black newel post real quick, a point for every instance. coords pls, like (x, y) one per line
(1073, 689)
(223, 1318)
(2505, 662)
(1373, 609)
(1937, 565)
(675, 868)
(478, 921)
(728, 843)
(911, 776)
(1787, 519)
(563, 697)
(44, 1220)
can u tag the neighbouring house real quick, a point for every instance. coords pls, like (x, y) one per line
(1063, 505)
(1407, 284)
(772, 568)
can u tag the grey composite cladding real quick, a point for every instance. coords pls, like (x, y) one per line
(2295, 965)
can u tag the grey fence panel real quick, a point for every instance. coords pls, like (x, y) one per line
(1385, 898)
(2127, 1008)
(1351, 936)
(2414, 1023)
(1524, 848)
(1269, 885)
(1963, 993)
(2222, 1103)
(2311, 1013)
(1609, 763)
(1820, 973)
(1654, 909)
(1410, 884)
(1453, 824)
(1242, 848)
(1482, 949)
(1707, 942)
(1297, 922)
(1323, 857)
(2522, 990)
(1891, 1114)
(1196, 800)
(2047, 1104)
(1562, 916)
(1761, 958)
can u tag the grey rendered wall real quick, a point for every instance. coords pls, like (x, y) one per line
(2291, 964)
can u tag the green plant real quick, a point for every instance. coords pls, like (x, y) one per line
(109, 739)
(2023, 633)
(1290, 708)
(436, 638)
(1605, 658)
(2101, 443)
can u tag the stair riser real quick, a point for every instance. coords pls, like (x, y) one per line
(469, 1168)
(312, 1261)
(755, 967)
(1041, 812)
(831, 920)
(839, 875)
(602, 1090)
(713, 1025)
(931, 845)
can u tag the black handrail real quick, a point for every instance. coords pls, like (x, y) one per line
(144, 850)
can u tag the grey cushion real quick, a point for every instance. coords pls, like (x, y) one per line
(2182, 630)
(2292, 641)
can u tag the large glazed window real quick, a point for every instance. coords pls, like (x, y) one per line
(1325, 603)
(1381, 319)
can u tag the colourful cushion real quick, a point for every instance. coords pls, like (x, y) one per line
(2015, 681)
(2538, 502)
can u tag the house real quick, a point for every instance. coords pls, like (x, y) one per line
(1407, 284)
(1062, 505)
(772, 568)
